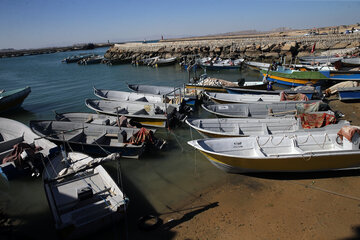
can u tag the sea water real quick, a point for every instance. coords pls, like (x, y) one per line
(156, 183)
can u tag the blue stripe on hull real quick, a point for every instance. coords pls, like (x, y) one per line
(349, 95)
(318, 83)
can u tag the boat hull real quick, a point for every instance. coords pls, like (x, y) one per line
(349, 94)
(305, 163)
(293, 82)
(15, 100)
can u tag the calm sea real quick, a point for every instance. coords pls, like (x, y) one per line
(155, 183)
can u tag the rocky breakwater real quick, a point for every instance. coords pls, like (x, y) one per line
(263, 48)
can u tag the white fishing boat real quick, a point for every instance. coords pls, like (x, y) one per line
(148, 114)
(93, 139)
(129, 96)
(221, 98)
(16, 137)
(243, 127)
(82, 196)
(265, 110)
(294, 152)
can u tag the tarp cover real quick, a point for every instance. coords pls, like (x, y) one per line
(311, 107)
(348, 132)
(291, 97)
(316, 120)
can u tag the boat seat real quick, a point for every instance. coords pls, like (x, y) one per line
(141, 112)
(121, 111)
(6, 145)
(259, 150)
(295, 147)
(142, 99)
(100, 139)
(238, 129)
(101, 121)
(75, 138)
(265, 129)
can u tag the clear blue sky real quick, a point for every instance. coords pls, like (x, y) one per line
(43, 23)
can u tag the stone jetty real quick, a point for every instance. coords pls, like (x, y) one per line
(263, 48)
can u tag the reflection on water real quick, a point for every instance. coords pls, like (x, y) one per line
(155, 183)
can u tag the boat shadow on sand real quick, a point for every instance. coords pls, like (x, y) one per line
(140, 210)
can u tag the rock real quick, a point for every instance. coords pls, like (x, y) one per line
(340, 45)
(289, 47)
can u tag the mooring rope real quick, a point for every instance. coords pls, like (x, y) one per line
(326, 190)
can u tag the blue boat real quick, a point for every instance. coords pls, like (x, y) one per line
(349, 94)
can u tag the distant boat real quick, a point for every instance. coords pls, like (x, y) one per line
(10, 100)
(349, 94)
(12, 133)
(77, 58)
(82, 196)
(91, 60)
(221, 64)
(159, 62)
(96, 140)
(293, 152)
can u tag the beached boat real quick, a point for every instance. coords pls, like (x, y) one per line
(128, 96)
(310, 92)
(189, 97)
(295, 152)
(349, 94)
(209, 84)
(15, 137)
(10, 100)
(256, 110)
(221, 98)
(242, 127)
(148, 114)
(82, 196)
(92, 139)
(351, 62)
(221, 64)
(319, 59)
